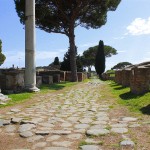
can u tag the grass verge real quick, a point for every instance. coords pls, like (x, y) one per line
(22, 97)
(135, 103)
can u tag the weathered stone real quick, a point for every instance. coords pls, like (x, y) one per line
(99, 122)
(16, 120)
(90, 147)
(128, 119)
(98, 127)
(92, 141)
(39, 145)
(119, 130)
(119, 125)
(6, 122)
(74, 136)
(127, 143)
(26, 134)
(66, 124)
(26, 127)
(35, 138)
(15, 110)
(85, 120)
(60, 132)
(1, 123)
(53, 138)
(97, 132)
(46, 125)
(63, 143)
(82, 126)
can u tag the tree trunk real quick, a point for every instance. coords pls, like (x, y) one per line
(73, 65)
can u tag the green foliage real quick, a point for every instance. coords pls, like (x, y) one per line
(136, 103)
(89, 55)
(56, 61)
(121, 65)
(100, 59)
(65, 64)
(2, 56)
(64, 16)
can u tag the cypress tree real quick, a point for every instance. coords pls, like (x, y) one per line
(100, 59)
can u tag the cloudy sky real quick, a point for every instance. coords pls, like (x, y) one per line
(127, 30)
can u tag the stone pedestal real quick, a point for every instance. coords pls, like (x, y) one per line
(38, 81)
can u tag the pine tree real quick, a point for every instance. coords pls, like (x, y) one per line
(2, 56)
(56, 61)
(100, 59)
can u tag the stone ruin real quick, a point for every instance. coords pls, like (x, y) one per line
(12, 80)
(136, 76)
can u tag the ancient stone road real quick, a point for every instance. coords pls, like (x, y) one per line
(76, 119)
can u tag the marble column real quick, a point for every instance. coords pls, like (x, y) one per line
(30, 67)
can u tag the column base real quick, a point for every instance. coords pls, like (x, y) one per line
(31, 89)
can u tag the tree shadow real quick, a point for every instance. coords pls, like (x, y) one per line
(146, 110)
(129, 95)
(52, 87)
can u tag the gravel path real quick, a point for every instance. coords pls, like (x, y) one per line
(75, 119)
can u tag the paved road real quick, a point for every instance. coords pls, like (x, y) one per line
(75, 119)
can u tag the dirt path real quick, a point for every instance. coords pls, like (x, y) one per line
(81, 117)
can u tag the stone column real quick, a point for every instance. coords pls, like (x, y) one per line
(30, 68)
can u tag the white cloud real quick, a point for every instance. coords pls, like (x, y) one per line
(88, 45)
(139, 27)
(119, 38)
(121, 51)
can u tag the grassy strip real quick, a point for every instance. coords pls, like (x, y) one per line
(22, 97)
(136, 103)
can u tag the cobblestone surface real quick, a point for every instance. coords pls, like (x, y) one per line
(68, 124)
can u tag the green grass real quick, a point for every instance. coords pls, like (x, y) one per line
(17, 98)
(136, 103)
(56, 86)
(22, 97)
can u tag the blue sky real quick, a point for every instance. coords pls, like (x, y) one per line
(127, 30)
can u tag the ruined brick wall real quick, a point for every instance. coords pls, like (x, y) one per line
(140, 80)
(118, 76)
(81, 76)
(126, 77)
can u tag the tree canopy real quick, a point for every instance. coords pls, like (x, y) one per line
(59, 16)
(89, 55)
(65, 64)
(121, 65)
(2, 56)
